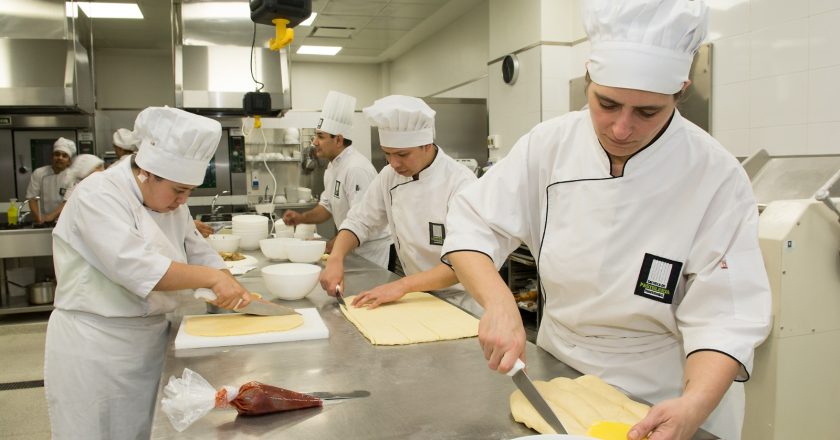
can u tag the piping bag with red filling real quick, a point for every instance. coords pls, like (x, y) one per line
(191, 397)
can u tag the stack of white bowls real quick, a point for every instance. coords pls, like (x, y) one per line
(250, 229)
(282, 230)
(305, 232)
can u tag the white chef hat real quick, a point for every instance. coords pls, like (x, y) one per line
(65, 145)
(337, 115)
(403, 121)
(125, 139)
(644, 44)
(83, 165)
(175, 144)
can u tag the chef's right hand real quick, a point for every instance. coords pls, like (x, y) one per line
(501, 333)
(291, 218)
(229, 293)
(332, 275)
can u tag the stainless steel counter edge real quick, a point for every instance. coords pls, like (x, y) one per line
(440, 390)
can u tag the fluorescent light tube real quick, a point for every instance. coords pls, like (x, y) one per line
(111, 10)
(318, 50)
(308, 21)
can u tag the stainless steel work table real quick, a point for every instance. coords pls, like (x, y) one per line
(437, 390)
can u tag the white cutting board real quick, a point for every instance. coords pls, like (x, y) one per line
(313, 328)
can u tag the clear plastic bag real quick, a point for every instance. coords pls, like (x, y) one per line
(191, 397)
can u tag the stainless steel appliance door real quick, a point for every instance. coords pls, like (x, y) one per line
(7, 166)
(217, 177)
(33, 149)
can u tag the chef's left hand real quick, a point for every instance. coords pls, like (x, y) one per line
(674, 419)
(380, 295)
(203, 228)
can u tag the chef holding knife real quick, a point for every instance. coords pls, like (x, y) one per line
(347, 177)
(123, 248)
(411, 196)
(644, 228)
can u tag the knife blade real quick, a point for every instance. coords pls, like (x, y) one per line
(524, 383)
(257, 306)
(339, 296)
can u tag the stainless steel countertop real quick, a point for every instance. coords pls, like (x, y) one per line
(439, 390)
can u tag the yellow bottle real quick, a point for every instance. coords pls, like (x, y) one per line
(12, 213)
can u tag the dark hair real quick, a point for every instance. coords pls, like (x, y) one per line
(677, 96)
(346, 143)
(134, 166)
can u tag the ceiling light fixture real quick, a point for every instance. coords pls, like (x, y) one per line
(111, 10)
(319, 50)
(308, 21)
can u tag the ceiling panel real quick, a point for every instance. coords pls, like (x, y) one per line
(400, 24)
(354, 7)
(410, 10)
(352, 21)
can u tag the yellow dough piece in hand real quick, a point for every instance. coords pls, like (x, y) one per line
(609, 430)
(240, 324)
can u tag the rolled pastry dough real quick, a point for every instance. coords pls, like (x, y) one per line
(236, 324)
(578, 403)
(416, 317)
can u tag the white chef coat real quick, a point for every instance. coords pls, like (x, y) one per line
(637, 270)
(345, 181)
(415, 211)
(107, 335)
(50, 186)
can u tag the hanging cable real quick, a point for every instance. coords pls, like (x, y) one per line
(253, 44)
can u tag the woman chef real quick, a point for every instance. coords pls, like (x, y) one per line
(347, 177)
(411, 196)
(50, 182)
(123, 248)
(644, 228)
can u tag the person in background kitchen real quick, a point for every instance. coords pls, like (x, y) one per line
(83, 165)
(644, 227)
(125, 144)
(50, 182)
(411, 196)
(123, 250)
(346, 179)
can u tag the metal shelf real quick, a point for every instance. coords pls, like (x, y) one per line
(18, 304)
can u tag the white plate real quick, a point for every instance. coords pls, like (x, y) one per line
(248, 261)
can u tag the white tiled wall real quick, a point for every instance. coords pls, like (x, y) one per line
(514, 109)
(776, 66)
(312, 81)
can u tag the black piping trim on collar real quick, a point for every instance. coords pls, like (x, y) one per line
(358, 242)
(652, 141)
(743, 368)
(446, 262)
(395, 187)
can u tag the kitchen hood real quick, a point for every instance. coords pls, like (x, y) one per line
(212, 50)
(45, 54)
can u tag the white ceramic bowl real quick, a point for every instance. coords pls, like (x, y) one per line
(275, 248)
(224, 242)
(290, 280)
(306, 251)
(286, 233)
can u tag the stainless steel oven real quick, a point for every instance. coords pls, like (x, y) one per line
(226, 171)
(26, 143)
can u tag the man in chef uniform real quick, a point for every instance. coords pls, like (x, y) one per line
(346, 179)
(124, 249)
(411, 196)
(644, 228)
(125, 143)
(50, 182)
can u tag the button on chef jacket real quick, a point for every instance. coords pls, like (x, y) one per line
(346, 179)
(611, 249)
(415, 210)
(49, 186)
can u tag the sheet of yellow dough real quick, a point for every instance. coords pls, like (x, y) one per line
(578, 403)
(237, 324)
(416, 317)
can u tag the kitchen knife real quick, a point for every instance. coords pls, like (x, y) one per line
(339, 296)
(523, 382)
(257, 306)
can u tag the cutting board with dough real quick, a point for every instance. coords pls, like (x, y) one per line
(313, 328)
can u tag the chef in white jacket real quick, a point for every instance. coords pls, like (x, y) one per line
(50, 182)
(346, 179)
(123, 249)
(644, 228)
(410, 195)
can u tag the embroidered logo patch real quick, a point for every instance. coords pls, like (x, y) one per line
(437, 233)
(337, 190)
(658, 278)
